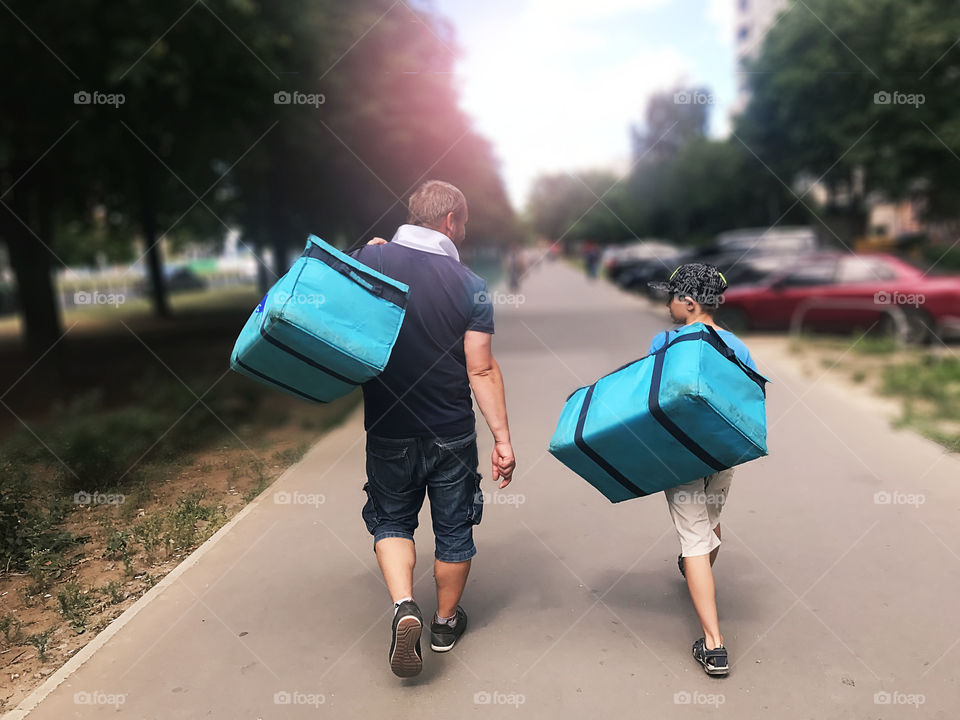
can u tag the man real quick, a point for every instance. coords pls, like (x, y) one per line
(418, 414)
(694, 293)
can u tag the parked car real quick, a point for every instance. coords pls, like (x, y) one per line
(838, 291)
(639, 273)
(178, 279)
(765, 241)
(619, 258)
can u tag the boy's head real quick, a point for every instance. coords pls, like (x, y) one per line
(694, 291)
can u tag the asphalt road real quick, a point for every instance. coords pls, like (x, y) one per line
(838, 577)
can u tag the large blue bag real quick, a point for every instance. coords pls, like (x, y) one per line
(688, 410)
(327, 326)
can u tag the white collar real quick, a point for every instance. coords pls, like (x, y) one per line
(417, 237)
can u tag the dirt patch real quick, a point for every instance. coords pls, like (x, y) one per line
(133, 544)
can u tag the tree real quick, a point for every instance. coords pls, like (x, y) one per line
(198, 113)
(837, 102)
(568, 207)
(673, 119)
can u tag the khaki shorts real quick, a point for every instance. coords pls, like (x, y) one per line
(695, 508)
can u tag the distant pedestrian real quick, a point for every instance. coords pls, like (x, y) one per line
(591, 258)
(516, 267)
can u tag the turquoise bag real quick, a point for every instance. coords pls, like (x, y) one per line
(325, 327)
(687, 411)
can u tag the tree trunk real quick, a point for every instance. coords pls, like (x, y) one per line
(148, 224)
(36, 295)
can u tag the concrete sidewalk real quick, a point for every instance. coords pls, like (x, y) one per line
(838, 577)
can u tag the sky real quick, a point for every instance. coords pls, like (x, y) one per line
(556, 84)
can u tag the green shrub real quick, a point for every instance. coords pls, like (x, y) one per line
(75, 605)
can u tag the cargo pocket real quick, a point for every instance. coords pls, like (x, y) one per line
(475, 514)
(370, 515)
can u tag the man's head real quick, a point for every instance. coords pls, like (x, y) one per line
(693, 291)
(439, 206)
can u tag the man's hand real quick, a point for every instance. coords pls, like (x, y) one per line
(377, 241)
(503, 463)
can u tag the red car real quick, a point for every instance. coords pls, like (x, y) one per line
(842, 292)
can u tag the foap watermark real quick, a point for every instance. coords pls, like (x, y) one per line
(295, 697)
(898, 298)
(500, 498)
(283, 497)
(98, 697)
(499, 698)
(314, 299)
(899, 698)
(896, 97)
(99, 498)
(694, 98)
(95, 297)
(298, 98)
(83, 97)
(700, 498)
(884, 497)
(685, 697)
(499, 298)
(708, 300)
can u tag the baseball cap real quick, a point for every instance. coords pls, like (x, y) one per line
(703, 283)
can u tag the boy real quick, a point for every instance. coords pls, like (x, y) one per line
(694, 292)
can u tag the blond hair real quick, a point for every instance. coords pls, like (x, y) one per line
(433, 201)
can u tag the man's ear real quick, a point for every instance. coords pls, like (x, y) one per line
(450, 222)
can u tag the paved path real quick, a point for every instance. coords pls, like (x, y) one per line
(576, 607)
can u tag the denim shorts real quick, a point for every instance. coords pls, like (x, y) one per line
(400, 472)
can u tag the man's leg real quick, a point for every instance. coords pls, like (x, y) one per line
(703, 593)
(397, 558)
(456, 505)
(451, 580)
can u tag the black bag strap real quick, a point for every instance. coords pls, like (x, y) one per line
(713, 338)
(374, 285)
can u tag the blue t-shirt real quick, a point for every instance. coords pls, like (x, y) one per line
(424, 391)
(735, 344)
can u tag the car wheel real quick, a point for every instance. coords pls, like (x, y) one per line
(733, 319)
(920, 329)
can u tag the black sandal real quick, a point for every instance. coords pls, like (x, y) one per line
(714, 661)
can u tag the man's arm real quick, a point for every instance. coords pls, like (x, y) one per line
(487, 384)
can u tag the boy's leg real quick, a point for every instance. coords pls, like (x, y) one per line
(716, 550)
(695, 509)
(703, 593)
(397, 558)
(451, 579)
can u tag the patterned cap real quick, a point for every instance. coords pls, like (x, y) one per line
(704, 283)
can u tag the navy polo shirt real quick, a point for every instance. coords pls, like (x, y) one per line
(424, 390)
